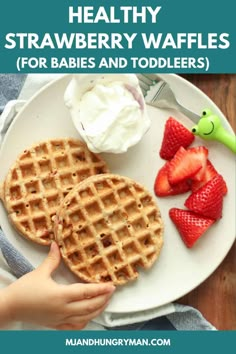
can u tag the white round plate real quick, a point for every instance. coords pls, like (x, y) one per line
(178, 270)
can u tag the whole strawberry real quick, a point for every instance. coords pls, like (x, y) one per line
(175, 135)
(190, 225)
(208, 200)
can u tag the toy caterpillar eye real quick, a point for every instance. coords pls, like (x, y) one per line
(204, 113)
(194, 130)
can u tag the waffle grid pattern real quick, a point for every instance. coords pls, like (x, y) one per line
(40, 179)
(107, 228)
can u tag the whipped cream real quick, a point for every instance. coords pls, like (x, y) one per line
(108, 111)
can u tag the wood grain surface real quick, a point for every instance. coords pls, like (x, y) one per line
(216, 297)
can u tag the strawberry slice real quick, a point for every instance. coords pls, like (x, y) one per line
(186, 163)
(190, 225)
(175, 136)
(163, 188)
(210, 172)
(208, 200)
(200, 153)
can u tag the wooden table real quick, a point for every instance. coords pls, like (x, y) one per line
(216, 297)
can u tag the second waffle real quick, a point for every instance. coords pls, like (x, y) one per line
(108, 227)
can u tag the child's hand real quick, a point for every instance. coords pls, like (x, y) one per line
(37, 298)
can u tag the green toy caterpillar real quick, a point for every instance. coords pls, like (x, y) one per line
(209, 128)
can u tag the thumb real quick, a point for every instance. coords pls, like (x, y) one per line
(53, 259)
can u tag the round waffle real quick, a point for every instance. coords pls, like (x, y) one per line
(39, 180)
(107, 227)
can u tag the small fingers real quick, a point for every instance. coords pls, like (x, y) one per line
(52, 261)
(86, 318)
(76, 292)
(78, 320)
(70, 326)
(88, 306)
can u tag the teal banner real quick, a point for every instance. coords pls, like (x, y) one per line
(194, 342)
(117, 36)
